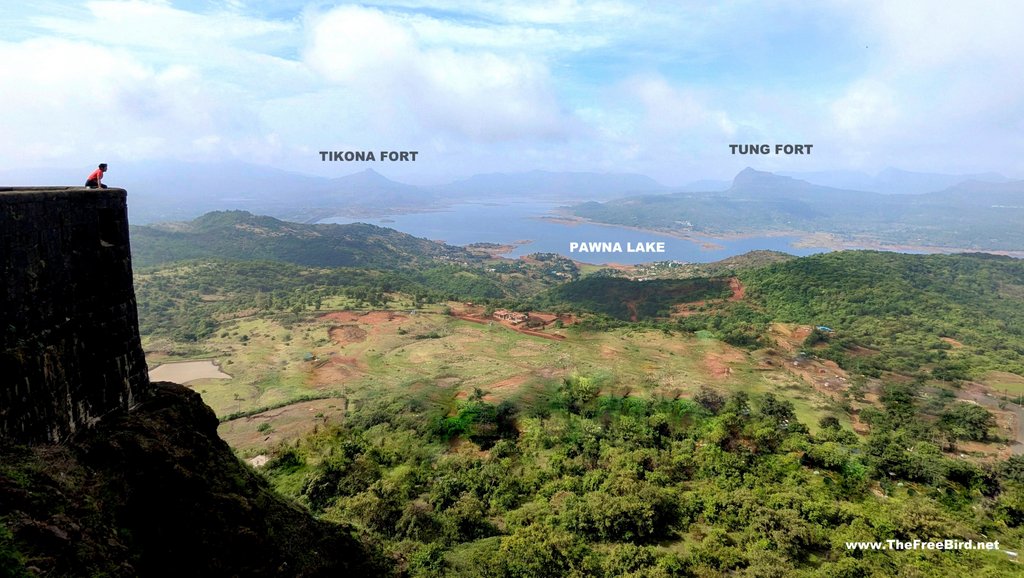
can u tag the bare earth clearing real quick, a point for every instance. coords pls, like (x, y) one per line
(187, 371)
(285, 423)
(739, 293)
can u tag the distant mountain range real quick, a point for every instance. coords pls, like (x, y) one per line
(173, 191)
(971, 215)
(575, 186)
(893, 181)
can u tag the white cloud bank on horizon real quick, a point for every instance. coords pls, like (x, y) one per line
(508, 86)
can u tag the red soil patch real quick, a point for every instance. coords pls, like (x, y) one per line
(511, 382)
(335, 371)
(346, 334)
(739, 292)
(347, 362)
(378, 317)
(857, 425)
(342, 316)
(687, 309)
(633, 315)
(717, 364)
(569, 319)
(790, 338)
(546, 318)
(716, 368)
(800, 334)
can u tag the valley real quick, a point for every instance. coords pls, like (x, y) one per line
(468, 411)
(346, 357)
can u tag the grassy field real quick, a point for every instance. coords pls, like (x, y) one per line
(328, 360)
(1002, 382)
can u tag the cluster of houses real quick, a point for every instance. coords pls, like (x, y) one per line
(513, 317)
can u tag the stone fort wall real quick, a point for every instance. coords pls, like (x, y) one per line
(69, 339)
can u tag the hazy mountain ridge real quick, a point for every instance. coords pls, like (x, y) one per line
(561, 185)
(970, 216)
(175, 190)
(892, 180)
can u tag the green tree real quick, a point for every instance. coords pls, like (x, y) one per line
(967, 421)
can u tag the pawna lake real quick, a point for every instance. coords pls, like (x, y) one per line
(508, 223)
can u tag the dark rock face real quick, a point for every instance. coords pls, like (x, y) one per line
(102, 473)
(69, 338)
(155, 492)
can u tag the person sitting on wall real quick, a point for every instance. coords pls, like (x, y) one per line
(96, 177)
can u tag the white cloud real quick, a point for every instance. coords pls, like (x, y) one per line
(671, 110)
(228, 47)
(521, 37)
(543, 12)
(160, 28)
(981, 33)
(868, 108)
(478, 94)
(89, 101)
(660, 87)
(937, 86)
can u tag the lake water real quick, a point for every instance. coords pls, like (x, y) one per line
(507, 223)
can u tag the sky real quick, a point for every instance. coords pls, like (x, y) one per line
(658, 88)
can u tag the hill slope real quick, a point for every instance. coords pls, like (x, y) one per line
(241, 235)
(157, 493)
(908, 308)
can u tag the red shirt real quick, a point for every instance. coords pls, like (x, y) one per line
(97, 174)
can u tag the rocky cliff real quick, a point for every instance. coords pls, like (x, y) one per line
(101, 472)
(69, 337)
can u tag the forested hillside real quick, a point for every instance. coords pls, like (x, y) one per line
(596, 485)
(628, 300)
(239, 235)
(953, 316)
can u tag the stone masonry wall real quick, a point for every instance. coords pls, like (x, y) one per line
(69, 338)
